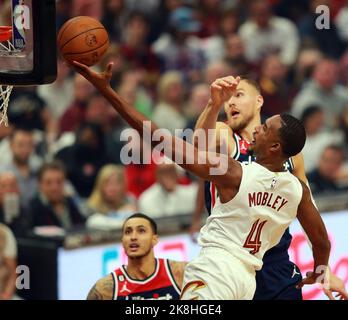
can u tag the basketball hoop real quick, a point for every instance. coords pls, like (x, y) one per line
(6, 49)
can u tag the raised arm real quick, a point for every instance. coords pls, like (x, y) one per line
(207, 121)
(313, 225)
(218, 168)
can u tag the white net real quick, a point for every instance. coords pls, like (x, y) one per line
(6, 49)
(5, 92)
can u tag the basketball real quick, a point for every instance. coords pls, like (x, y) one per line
(83, 39)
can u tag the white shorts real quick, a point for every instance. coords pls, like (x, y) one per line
(217, 275)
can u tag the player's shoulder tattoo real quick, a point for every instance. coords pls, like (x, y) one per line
(103, 289)
(177, 268)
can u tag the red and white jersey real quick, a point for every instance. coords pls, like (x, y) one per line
(160, 285)
(257, 217)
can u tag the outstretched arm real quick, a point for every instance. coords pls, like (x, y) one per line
(313, 225)
(201, 163)
(336, 284)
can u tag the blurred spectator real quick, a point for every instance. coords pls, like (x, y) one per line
(11, 211)
(98, 111)
(131, 88)
(113, 18)
(63, 12)
(89, 8)
(210, 16)
(235, 56)
(168, 113)
(324, 92)
(167, 197)
(199, 97)
(110, 192)
(343, 70)
(60, 94)
(327, 40)
(8, 263)
(147, 7)
(27, 109)
(277, 94)
(306, 62)
(24, 165)
(112, 125)
(217, 69)
(341, 22)
(160, 20)
(343, 125)
(291, 9)
(179, 49)
(135, 49)
(325, 179)
(318, 138)
(214, 46)
(263, 33)
(75, 114)
(51, 206)
(84, 158)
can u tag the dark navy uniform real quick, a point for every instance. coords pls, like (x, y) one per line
(278, 277)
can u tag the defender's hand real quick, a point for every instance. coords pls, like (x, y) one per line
(222, 89)
(336, 285)
(99, 80)
(311, 279)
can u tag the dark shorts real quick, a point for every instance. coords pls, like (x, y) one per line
(277, 280)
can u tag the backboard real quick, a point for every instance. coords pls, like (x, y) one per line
(27, 42)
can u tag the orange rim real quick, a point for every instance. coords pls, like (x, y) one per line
(5, 33)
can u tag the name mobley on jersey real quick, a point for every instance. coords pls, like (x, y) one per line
(266, 199)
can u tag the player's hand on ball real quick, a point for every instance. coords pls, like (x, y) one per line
(222, 89)
(99, 80)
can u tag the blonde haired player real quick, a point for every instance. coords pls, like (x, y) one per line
(268, 197)
(279, 276)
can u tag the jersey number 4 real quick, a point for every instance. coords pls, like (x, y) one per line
(253, 239)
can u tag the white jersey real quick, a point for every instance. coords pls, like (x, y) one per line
(257, 217)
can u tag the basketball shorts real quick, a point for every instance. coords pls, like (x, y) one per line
(277, 280)
(217, 275)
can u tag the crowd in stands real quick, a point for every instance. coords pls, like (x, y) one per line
(60, 159)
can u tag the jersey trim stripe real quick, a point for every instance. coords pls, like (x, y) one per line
(171, 276)
(291, 164)
(237, 152)
(114, 277)
(213, 195)
(131, 280)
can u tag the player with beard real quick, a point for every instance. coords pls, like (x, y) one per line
(279, 276)
(144, 277)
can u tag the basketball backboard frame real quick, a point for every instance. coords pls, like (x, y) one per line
(35, 61)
